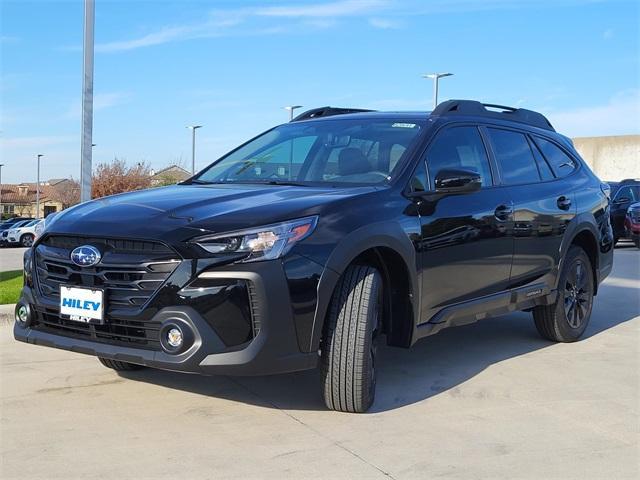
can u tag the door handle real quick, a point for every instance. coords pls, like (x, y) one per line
(564, 203)
(503, 212)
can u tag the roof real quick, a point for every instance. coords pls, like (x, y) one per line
(13, 193)
(172, 169)
(464, 108)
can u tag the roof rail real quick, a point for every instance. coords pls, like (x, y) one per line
(472, 107)
(327, 112)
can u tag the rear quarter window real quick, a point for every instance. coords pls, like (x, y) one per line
(561, 163)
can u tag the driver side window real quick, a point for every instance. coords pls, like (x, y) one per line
(459, 148)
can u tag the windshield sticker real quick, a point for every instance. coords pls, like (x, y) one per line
(403, 125)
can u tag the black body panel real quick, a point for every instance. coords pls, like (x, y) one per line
(446, 258)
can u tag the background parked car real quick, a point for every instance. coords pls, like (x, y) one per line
(9, 223)
(4, 234)
(23, 233)
(623, 194)
(632, 223)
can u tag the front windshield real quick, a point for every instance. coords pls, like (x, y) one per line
(335, 151)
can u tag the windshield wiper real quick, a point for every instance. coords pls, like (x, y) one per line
(275, 182)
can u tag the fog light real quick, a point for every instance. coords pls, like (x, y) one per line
(22, 314)
(174, 337)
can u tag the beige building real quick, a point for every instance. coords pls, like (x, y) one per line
(20, 199)
(611, 158)
(169, 176)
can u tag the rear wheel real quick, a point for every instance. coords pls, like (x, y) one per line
(636, 241)
(567, 319)
(119, 366)
(26, 240)
(350, 341)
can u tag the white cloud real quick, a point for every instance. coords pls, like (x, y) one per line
(100, 102)
(35, 142)
(385, 23)
(620, 115)
(8, 39)
(298, 17)
(344, 8)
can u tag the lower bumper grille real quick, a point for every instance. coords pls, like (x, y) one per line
(126, 333)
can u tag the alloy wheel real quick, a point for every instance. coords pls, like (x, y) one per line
(577, 294)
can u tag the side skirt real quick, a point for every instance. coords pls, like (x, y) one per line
(463, 313)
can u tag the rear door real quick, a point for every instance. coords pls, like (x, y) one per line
(543, 203)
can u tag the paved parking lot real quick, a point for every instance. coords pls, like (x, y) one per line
(11, 258)
(489, 400)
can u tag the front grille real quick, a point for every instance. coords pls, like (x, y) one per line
(130, 271)
(128, 333)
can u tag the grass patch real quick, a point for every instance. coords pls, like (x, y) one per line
(10, 286)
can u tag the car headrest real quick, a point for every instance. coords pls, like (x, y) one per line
(352, 161)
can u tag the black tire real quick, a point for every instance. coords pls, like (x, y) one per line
(636, 241)
(26, 240)
(119, 366)
(567, 319)
(350, 340)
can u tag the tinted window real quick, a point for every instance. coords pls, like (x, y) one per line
(543, 166)
(459, 148)
(560, 162)
(514, 157)
(332, 151)
(419, 180)
(631, 192)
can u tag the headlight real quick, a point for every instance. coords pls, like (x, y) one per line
(37, 232)
(262, 243)
(42, 226)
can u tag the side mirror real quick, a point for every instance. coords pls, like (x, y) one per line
(457, 181)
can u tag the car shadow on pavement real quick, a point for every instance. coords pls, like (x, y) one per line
(431, 367)
(434, 365)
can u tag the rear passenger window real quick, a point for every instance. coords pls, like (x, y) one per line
(561, 163)
(514, 157)
(459, 148)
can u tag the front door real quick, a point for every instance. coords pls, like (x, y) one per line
(466, 243)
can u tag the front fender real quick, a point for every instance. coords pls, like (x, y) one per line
(383, 234)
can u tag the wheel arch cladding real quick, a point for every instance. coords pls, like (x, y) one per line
(388, 248)
(586, 240)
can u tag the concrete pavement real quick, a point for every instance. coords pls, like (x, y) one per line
(11, 258)
(488, 400)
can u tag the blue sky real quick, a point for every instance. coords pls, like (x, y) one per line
(232, 65)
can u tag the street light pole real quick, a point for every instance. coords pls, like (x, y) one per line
(87, 102)
(435, 77)
(193, 147)
(38, 188)
(291, 108)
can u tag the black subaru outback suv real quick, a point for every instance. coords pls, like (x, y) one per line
(312, 242)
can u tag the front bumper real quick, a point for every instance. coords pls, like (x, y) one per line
(273, 349)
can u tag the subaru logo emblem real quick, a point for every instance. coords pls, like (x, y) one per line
(85, 256)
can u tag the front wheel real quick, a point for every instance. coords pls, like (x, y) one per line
(350, 340)
(26, 240)
(567, 318)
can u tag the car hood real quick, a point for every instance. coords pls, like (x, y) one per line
(180, 212)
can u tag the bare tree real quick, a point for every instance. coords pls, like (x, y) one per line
(66, 192)
(118, 177)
